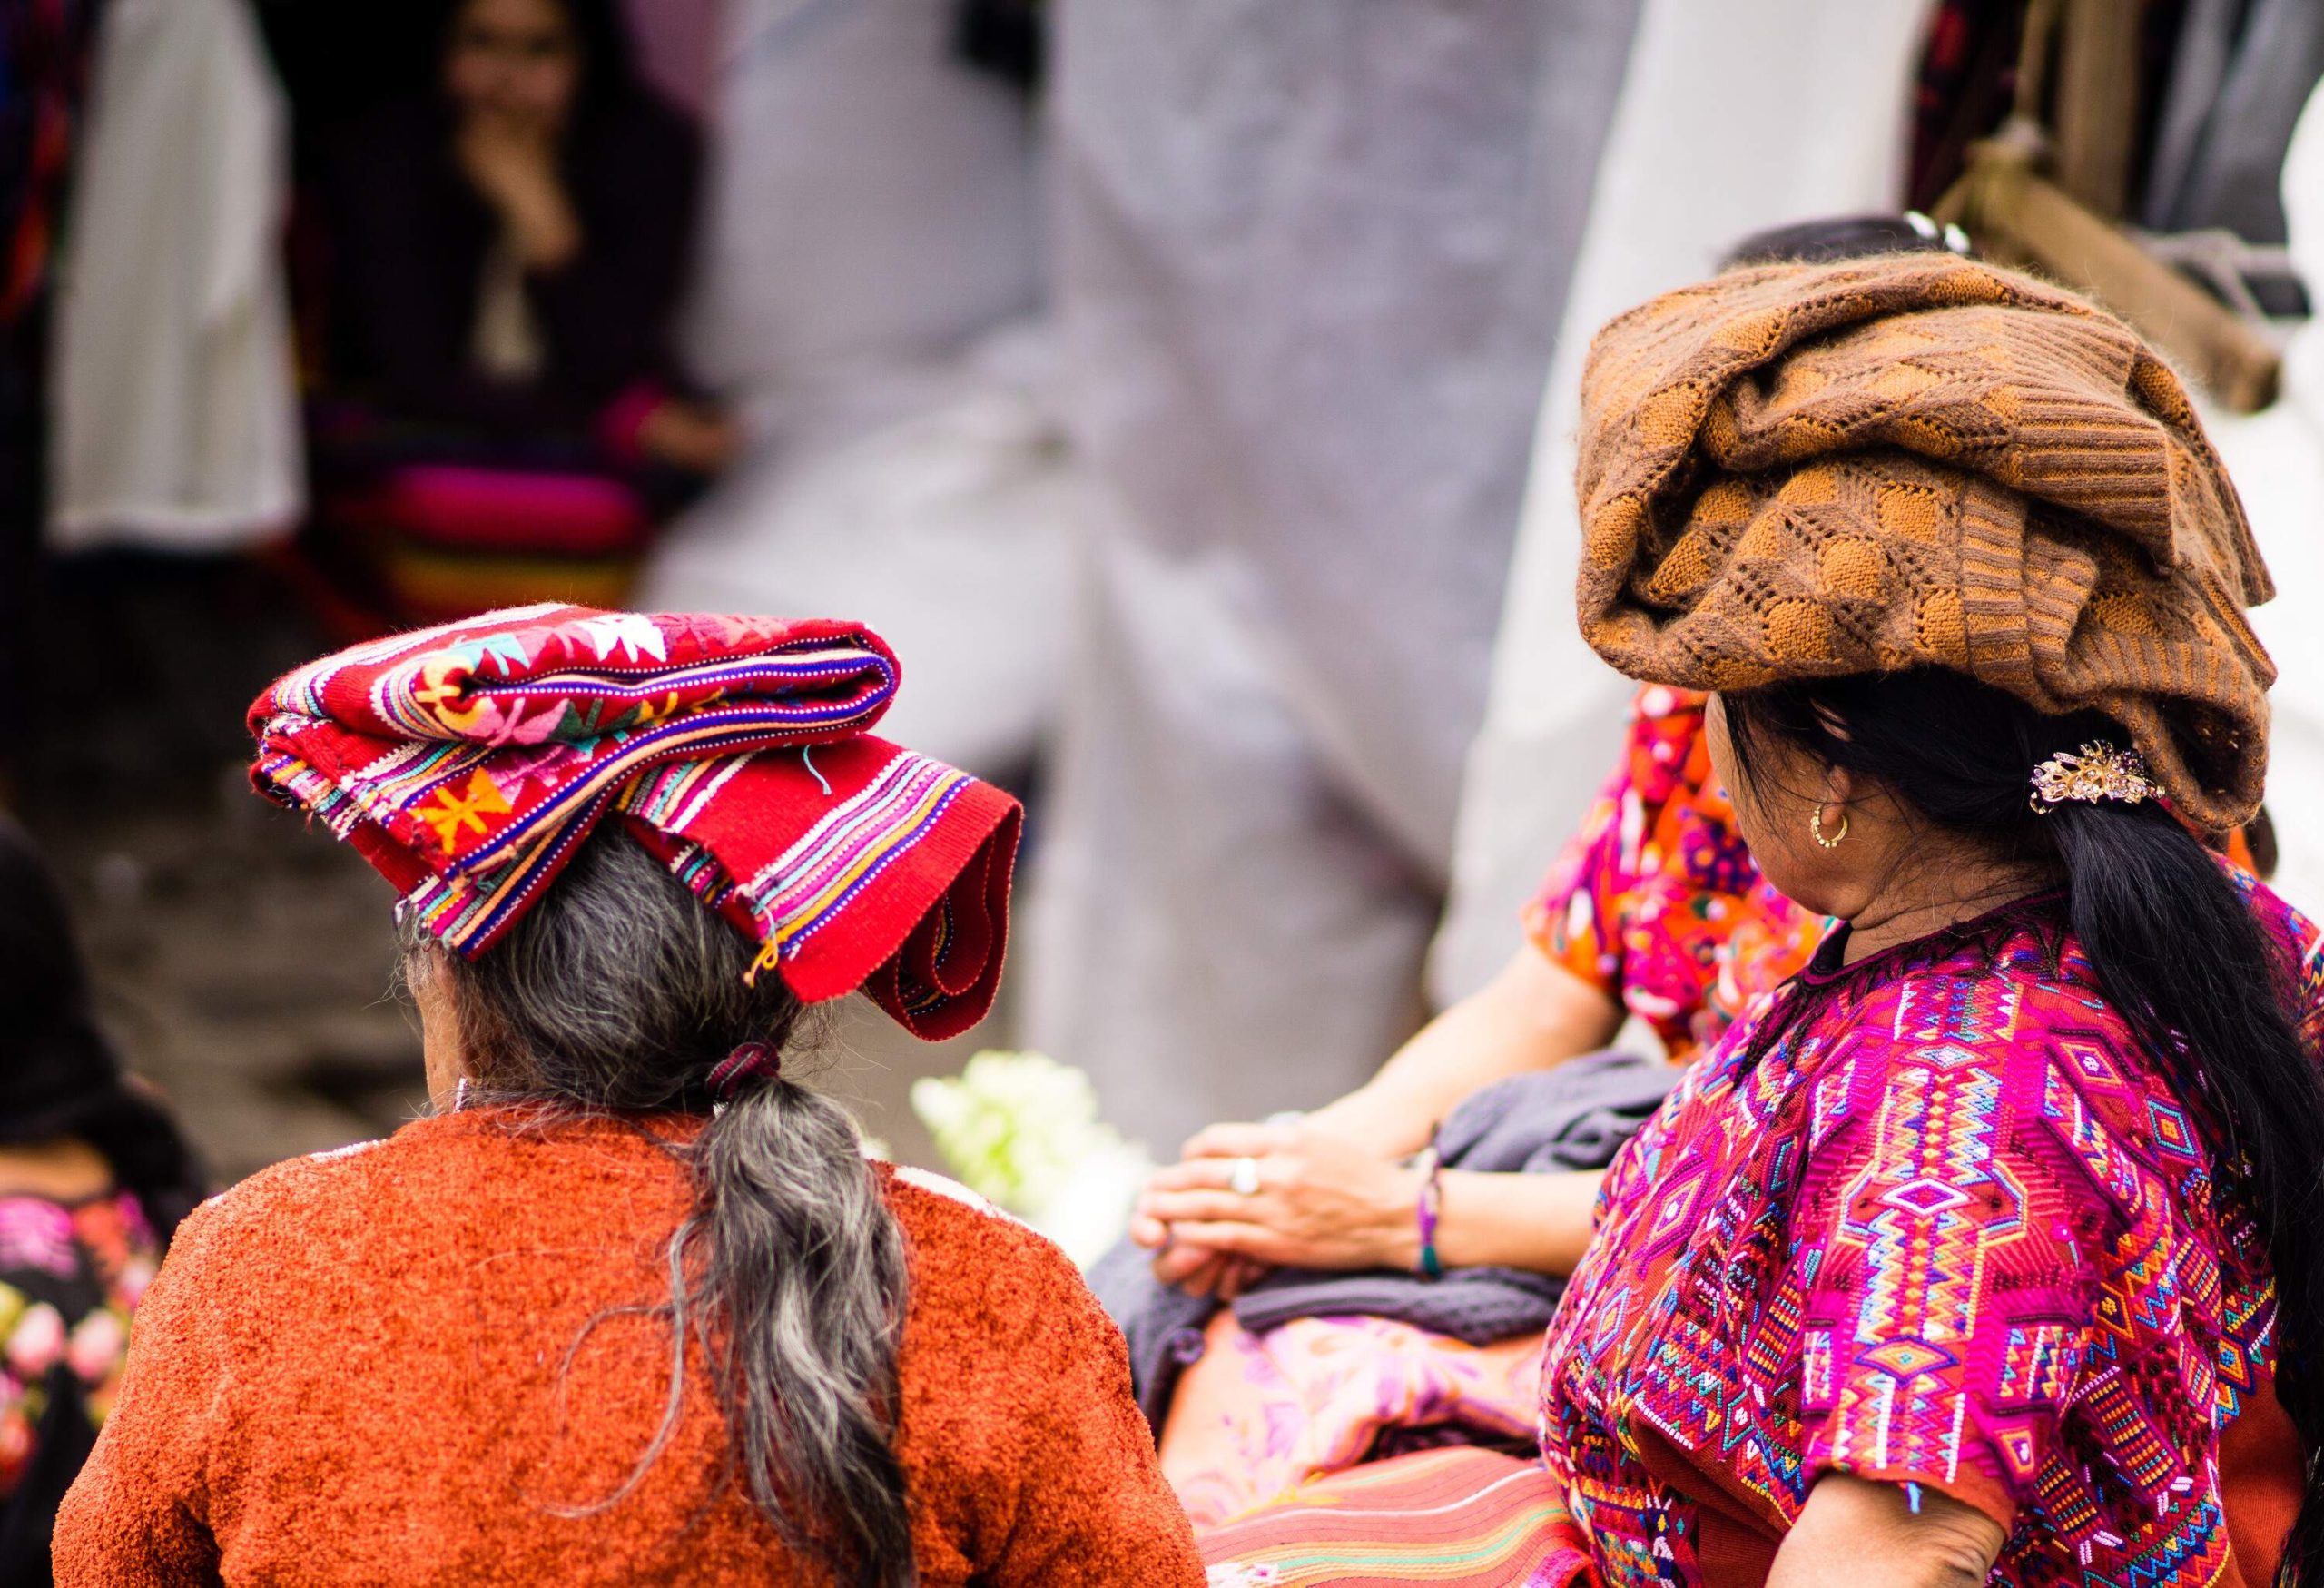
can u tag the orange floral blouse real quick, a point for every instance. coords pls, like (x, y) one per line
(1657, 901)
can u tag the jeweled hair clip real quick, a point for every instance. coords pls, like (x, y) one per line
(2097, 772)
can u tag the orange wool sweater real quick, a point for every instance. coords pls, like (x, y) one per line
(379, 1366)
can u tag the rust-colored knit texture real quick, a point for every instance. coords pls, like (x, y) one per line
(1816, 470)
(381, 1368)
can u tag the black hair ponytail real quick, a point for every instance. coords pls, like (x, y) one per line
(2169, 934)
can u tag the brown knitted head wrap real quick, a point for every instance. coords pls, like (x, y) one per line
(1805, 471)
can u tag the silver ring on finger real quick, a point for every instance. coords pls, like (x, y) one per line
(1243, 1179)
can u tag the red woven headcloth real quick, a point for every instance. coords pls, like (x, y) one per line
(467, 762)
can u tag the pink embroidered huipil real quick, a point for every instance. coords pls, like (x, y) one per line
(1933, 1219)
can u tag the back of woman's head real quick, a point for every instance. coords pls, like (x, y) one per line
(620, 991)
(2169, 935)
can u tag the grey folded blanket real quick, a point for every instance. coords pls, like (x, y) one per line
(1574, 1116)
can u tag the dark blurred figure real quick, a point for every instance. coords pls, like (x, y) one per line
(93, 1179)
(502, 416)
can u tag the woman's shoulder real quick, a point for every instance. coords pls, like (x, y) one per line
(262, 1200)
(446, 1176)
(2291, 929)
(978, 1274)
(948, 1226)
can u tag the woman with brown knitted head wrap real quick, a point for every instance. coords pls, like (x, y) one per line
(1984, 1248)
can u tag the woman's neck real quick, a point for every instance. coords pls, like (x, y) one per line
(1933, 896)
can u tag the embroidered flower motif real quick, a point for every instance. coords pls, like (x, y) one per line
(36, 1234)
(96, 1345)
(629, 633)
(454, 813)
(37, 1341)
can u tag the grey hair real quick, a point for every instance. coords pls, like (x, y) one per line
(617, 993)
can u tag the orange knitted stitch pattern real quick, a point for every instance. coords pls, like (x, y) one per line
(1816, 470)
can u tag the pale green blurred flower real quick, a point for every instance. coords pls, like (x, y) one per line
(1022, 1130)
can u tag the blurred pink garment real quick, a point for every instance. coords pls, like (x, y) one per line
(1260, 1415)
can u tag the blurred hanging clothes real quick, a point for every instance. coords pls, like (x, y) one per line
(870, 291)
(1309, 258)
(2240, 73)
(44, 50)
(176, 416)
(1736, 115)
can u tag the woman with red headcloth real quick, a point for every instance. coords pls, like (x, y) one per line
(630, 1305)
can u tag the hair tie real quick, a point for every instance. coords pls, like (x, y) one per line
(753, 1061)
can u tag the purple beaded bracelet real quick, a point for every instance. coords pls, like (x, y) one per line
(1430, 1164)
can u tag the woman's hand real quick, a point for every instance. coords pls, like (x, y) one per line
(687, 435)
(1320, 1203)
(511, 161)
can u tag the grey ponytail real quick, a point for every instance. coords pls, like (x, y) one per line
(617, 993)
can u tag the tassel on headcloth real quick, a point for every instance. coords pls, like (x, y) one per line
(467, 762)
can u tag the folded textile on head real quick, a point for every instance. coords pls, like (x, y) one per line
(1810, 470)
(467, 762)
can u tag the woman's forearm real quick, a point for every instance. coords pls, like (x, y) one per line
(1852, 1532)
(1534, 1014)
(1538, 1222)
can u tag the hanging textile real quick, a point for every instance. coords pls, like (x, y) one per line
(170, 376)
(1309, 258)
(1684, 177)
(2276, 458)
(2240, 73)
(870, 290)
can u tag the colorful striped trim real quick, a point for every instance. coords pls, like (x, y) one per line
(816, 879)
(1463, 1516)
(469, 911)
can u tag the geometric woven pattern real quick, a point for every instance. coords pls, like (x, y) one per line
(1950, 1227)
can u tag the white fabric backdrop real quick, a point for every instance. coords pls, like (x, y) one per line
(871, 260)
(2277, 460)
(1736, 115)
(1310, 257)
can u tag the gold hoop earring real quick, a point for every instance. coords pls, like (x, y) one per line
(1815, 828)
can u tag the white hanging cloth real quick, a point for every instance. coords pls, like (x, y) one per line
(1309, 260)
(176, 402)
(1736, 115)
(2276, 458)
(870, 278)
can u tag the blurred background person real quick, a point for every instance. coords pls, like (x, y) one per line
(95, 1178)
(503, 415)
